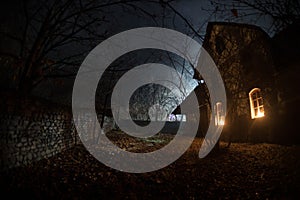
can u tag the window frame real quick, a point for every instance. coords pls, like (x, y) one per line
(256, 103)
(219, 114)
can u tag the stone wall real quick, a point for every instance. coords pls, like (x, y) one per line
(31, 130)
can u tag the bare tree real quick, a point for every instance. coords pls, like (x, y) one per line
(281, 13)
(55, 35)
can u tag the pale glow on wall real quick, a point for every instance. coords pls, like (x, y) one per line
(256, 103)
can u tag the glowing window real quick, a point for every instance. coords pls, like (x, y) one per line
(256, 103)
(219, 114)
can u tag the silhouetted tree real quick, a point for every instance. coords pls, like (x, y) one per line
(281, 13)
(55, 35)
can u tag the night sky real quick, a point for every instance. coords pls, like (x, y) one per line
(194, 14)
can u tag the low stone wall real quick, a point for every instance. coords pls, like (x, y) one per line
(32, 129)
(27, 138)
(30, 133)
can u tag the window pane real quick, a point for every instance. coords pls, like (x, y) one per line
(261, 109)
(255, 111)
(255, 104)
(260, 102)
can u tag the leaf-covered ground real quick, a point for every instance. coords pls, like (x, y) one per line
(243, 171)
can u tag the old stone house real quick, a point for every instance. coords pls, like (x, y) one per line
(247, 59)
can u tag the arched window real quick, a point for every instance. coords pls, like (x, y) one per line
(219, 114)
(256, 103)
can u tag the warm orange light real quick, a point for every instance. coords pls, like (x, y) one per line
(256, 103)
(260, 114)
(219, 115)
